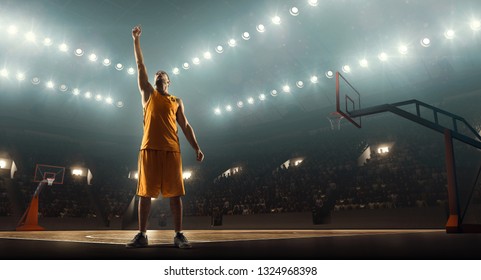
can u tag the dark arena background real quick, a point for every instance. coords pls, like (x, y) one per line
(286, 174)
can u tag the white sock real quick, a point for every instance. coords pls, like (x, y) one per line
(144, 233)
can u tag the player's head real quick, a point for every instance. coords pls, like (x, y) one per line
(162, 80)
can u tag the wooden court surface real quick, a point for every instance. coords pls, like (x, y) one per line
(244, 244)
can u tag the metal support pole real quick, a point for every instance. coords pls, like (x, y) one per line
(454, 223)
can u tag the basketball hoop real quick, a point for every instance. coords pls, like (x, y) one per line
(50, 181)
(335, 120)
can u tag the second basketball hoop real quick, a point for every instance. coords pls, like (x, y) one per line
(335, 120)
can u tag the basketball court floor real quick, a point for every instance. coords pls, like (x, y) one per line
(243, 244)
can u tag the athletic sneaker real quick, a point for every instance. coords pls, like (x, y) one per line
(139, 241)
(181, 241)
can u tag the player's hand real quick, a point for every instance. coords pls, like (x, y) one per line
(136, 31)
(200, 155)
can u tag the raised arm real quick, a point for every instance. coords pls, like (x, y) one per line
(188, 130)
(145, 87)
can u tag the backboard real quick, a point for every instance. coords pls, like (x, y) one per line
(348, 100)
(43, 171)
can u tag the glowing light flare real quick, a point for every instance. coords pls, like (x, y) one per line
(232, 43)
(186, 65)
(196, 60)
(93, 57)
(4, 73)
(403, 49)
(186, 175)
(346, 69)
(63, 47)
(119, 104)
(246, 36)
(35, 80)
(119, 66)
(30, 36)
(176, 71)
(77, 172)
(475, 25)
(20, 76)
(47, 42)
(50, 84)
(314, 79)
(109, 100)
(286, 88)
(207, 55)
(217, 111)
(300, 84)
(131, 71)
(88, 95)
(313, 3)
(228, 108)
(449, 34)
(98, 97)
(260, 28)
(79, 52)
(363, 63)
(3, 163)
(294, 11)
(240, 104)
(426, 42)
(250, 100)
(262, 97)
(219, 49)
(329, 74)
(75, 91)
(12, 30)
(276, 20)
(383, 56)
(63, 87)
(274, 92)
(106, 62)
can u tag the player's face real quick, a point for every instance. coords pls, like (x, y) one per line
(161, 79)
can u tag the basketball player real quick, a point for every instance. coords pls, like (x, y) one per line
(160, 162)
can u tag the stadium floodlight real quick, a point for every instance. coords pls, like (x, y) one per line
(274, 92)
(232, 43)
(364, 63)
(186, 175)
(250, 100)
(109, 100)
(314, 79)
(88, 95)
(4, 73)
(106, 62)
(50, 84)
(403, 49)
(131, 71)
(246, 36)
(294, 11)
(346, 69)
(3, 163)
(219, 49)
(383, 56)
(240, 104)
(119, 66)
(217, 111)
(47, 42)
(30, 36)
(300, 84)
(262, 97)
(12, 29)
(449, 34)
(176, 71)
(426, 42)
(207, 55)
(185, 65)
(313, 2)
(77, 172)
(329, 74)
(98, 97)
(35, 80)
(63, 87)
(228, 108)
(93, 57)
(79, 52)
(261, 28)
(286, 88)
(20, 76)
(63, 47)
(475, 25)
(276, 20)
(196, 60)
(120, 104)
(75, 91)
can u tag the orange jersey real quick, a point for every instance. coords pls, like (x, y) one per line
(160, 127)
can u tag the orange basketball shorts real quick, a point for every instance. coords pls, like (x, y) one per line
(160, 172)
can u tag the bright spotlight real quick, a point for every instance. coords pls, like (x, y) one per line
(196, 60)
(228, 108)
(246, 36)
(63, 87)
(286, 88)
(75, 91)
(403, 49)
(47, 42)
(207, 55)
(88, 95)
(79, 52)
(30, 36)
(186, 175)
(3, 163)
(108, 100)
(98, 97)
(77, 172)
(382, 56)
(363, 63)
(346, 69)
(449, 34)
(219, 49)
(250, 100)
(176, 71)
(63, 47)
(300, 84)
(261, 28)
(131, 71)
(276, 20)
(274, 92)
(12, 30)
(20, 76)
(262, 97)
(119, 66)
(4, 73)
(329, 74)
(294, 11)
(93, 57)
(426, 42)
(35, 80)
(50, 84)
(475, 25)
(106, 62)
(240, 104)
(186, 65)
(232, 43)
(120, 104)
(313, 2)
(314, 79)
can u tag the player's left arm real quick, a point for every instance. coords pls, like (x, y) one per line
(188, 130)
